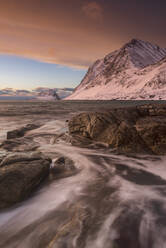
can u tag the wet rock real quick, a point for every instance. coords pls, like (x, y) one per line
(19, 157)
(55, 139)
(109, 128)
(127, 226)
(62, 137)
(20, 175)
(153, 132)
(21, 131)
(81, 141)
(24, 144)
(138, 129)
(63, 167)
(3, 154)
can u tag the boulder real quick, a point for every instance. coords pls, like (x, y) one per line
(62, 167)
(110, 128)
(140, 129)
(21, 131)
(24, 144)
(153, 132)
(20, 175)
(3, 154)
(20, 157)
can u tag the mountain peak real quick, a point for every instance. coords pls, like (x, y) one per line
(128, 73)
(134, 42)
(143, 53)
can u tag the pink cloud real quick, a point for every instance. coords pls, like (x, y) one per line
(93, 10)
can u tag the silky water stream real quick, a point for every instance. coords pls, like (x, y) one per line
(113, 201)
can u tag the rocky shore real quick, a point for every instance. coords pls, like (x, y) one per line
(140, 129)
(87, 179)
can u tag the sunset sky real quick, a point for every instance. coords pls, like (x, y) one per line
(51, 42)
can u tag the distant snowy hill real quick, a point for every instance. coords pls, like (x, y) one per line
(56, 92)
(47, 94)
(136, 71)
(40, 93)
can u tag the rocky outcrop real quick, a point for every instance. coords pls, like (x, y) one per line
(62, 167)
(137, 129)
(20, 175)
(24, 144)
(21, 131)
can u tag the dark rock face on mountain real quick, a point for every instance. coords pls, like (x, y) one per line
(143, 54)
(20, 174)
(136, 71)
(137, 129)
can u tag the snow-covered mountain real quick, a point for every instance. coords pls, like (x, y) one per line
(40, 93)
(47, 94)
(59, 92)
(136, 71)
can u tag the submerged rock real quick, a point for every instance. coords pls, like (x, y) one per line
(137, 129)
(21, 131)
(20, 157)
(62, 167)
(24, 144)
(20, 174)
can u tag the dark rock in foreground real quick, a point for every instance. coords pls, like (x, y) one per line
(63, 167)
(21, 131)
(22, 144)
(20, 174)
(140, 129)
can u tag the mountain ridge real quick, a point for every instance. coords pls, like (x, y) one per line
(41, 93)
(122, 68)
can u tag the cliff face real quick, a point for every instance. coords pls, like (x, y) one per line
(136, 71)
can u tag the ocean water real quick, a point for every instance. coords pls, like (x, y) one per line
(15, 98)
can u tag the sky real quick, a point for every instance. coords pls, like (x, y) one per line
(51, 43)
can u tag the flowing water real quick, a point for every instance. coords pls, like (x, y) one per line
(113, 201)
